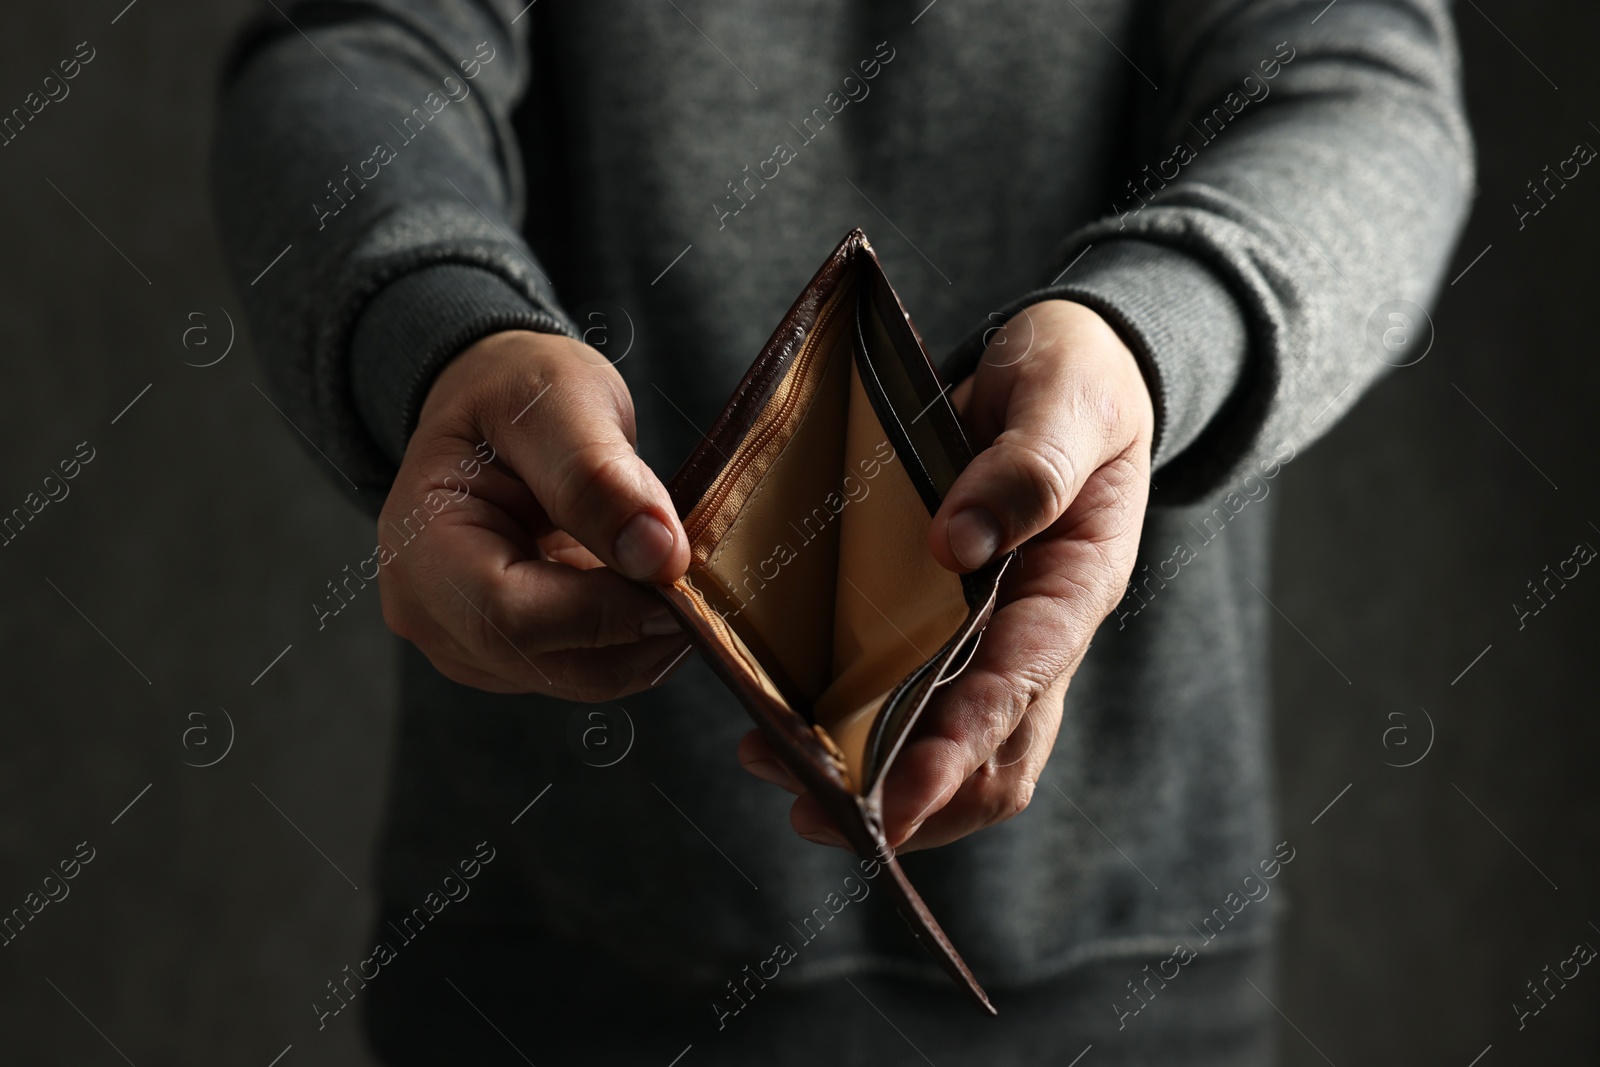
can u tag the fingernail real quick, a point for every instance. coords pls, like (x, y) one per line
(770, 771)
(660, 624)
(825, 837)
(643, 546)
(974, 535)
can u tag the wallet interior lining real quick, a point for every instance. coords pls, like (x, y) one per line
(812, 545)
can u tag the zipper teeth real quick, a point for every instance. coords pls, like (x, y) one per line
(731, 474)
(710, 615)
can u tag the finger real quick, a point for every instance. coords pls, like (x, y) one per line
(572, 443)
(461, 637)
(1057, 419)
(457, 467)
(1052, 601)
(811, 822)
(588, 675)
(465, 590)
(542, 606)
(1001, 788)
(560, 547)
(757, 756)
(975, 729)
(621, 670)
(961, 396)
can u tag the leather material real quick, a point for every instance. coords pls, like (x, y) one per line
(810, 590)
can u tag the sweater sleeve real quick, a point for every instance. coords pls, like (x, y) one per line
(1298, 166)
(368, 188)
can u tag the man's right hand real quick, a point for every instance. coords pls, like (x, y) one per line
(521, 582)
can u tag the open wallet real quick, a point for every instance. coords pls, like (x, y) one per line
(811, 591)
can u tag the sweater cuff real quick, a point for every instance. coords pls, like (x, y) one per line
(415, 326)
(1185, 328)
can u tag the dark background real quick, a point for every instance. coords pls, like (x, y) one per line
(189, 549)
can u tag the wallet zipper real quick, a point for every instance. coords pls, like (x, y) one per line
(725, 482)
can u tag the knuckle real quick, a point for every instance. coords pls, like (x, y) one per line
(1023, 682)
(592, 470)
(1017, 799)
(1111, 572)
(396, 618)
(1017, 749)
(481, 637)
(1044, 470)
(994, 725)
(400, 613)
(1084, 597)
(609, 621)
(1008, 798)
(993, 712)
(489, 628)
(999, 797)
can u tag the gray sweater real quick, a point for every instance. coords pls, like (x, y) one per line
(1237, 186)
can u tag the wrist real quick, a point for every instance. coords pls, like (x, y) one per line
(1176, 311)
(415, 328)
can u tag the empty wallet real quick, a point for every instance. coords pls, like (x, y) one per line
(811, 591)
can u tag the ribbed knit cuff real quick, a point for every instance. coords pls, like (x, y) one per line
(1184, 327)
(414, 327)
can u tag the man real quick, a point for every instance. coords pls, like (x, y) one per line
(534, 248)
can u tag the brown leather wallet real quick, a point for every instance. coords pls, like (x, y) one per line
(811, 590)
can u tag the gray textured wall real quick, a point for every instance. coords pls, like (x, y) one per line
(1404, 540)
(183, 560)
(193, 543)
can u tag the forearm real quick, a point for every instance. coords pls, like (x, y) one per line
(1299, 174)
(376, 150)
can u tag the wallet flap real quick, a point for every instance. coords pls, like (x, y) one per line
(914, 410)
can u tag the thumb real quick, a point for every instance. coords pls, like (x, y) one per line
(1012, 490)
(572, 443)
(1057, 416)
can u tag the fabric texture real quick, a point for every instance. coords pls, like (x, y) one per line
(1235, 186)
(566, 1009)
